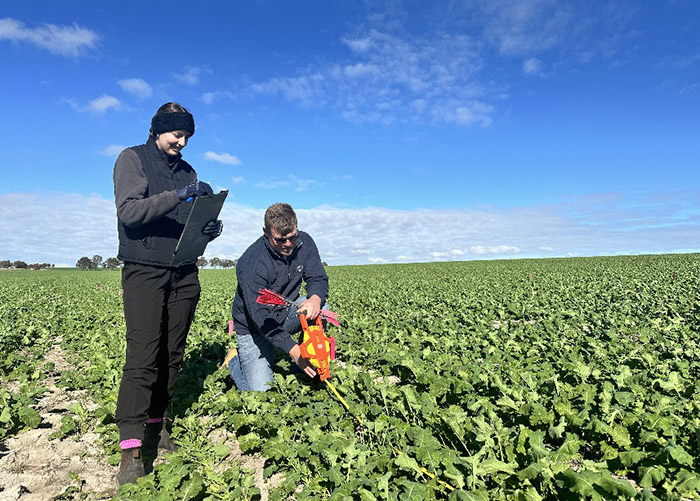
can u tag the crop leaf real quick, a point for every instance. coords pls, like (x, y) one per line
(616, 486)
(632, 457)
(652, 475)
(29, 417)
(620, 435)
(680, 455)
(193, 487)
(491, 466)
(581, 483)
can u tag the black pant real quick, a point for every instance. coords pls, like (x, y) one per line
(159, 305)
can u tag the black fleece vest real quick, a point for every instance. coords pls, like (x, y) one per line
(154, 243)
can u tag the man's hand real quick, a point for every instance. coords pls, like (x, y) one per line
(303, 363)
(311, 307)
(213, 228)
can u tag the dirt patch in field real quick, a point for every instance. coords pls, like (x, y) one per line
(32, 467)
(256, 464)
(35, 468)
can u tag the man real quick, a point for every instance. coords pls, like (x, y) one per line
(280, 260)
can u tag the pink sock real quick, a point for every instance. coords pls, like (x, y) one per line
(155, 420)
(132, 443)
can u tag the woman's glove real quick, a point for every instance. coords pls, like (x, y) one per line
(194, 189)
(213, 228)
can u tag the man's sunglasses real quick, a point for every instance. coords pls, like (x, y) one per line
(283, 240)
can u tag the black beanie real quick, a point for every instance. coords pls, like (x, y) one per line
(168, 122)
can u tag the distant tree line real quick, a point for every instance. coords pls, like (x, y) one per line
(21, 265)
(86, 263)
(217, 262)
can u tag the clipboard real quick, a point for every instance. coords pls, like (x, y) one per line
(193, 242)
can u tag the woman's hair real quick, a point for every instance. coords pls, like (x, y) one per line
(169, 108)
(281, 217)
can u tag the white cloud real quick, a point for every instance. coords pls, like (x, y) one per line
(499, 249)
(270, 185)
(527, 25)
(98, 105)
(361, 69)
(595, 225)
(113, 150)
(294, 182)
(302, 184)
(532, 66)
(306, 89)
(237, 180)
(70, 41)
(190, 75)
(136, 87)
(358, 248)
(392, 74)
(209, 97)
(573, 32)
(388, 78)
(103, 103)
(66, 235)
(223, 158)
(479, 113)
(359, 44)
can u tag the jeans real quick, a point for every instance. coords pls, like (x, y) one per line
(251, 369)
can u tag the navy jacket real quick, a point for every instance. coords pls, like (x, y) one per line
(260, 267)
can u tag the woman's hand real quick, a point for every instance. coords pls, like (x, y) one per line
(213, 228)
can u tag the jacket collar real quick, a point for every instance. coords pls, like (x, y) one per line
(158, 153)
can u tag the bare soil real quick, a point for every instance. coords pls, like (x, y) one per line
(32, 467)
(36, 468)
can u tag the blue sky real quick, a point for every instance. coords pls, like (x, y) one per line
(400, 131)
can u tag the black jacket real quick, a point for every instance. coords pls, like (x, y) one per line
(150, 216)
(260, 267)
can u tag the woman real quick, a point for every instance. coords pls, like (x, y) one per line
(152, 188)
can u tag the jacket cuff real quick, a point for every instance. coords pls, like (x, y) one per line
(322, 296)
(172, 198)
(286, 343)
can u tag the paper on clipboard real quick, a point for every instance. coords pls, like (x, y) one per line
(192, 241)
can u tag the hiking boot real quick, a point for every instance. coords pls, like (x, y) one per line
(157, 437)
(131, 467)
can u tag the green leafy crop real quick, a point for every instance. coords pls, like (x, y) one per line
(518, 379)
